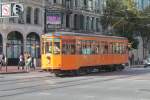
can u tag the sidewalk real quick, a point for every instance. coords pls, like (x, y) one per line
(137, 66)
(14, 70)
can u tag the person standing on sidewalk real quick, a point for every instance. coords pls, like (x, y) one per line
(28, 63)
(4, 61)
(21, 62)
(34, 63)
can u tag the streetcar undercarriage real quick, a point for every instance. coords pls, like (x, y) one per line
(87, 70)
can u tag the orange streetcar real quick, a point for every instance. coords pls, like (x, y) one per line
(67, 52)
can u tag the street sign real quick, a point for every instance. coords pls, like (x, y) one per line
(10, 9)
(18, 9)
(6, 10)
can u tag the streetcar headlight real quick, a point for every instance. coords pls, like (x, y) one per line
(49, 58)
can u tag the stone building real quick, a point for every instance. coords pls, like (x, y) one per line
(78, 15)
(142, 4)
(19, 35)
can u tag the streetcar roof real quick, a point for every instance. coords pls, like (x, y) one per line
(82, 34)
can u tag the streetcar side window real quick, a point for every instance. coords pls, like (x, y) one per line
(87, 48)
(110, 48)
(117, 48)
(121, 48)
(68, 47)
(100, 48)
(64, 47)
(72, 48)
(93, 47)
(114, 48)
(96, 48)
(78, 47)
(84, 47)
(106, 48)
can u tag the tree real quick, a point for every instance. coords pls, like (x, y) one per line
(121, 16)
(143, 28)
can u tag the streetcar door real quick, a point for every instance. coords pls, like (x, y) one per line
(47, 52)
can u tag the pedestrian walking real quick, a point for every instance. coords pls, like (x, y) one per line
(28, 63)
(1, 61)
(21, 62)
(4, 64)
(34, 63)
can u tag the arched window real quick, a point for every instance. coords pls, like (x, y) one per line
(36, 16)
(33, 45)
(28, 15)
(14, 47)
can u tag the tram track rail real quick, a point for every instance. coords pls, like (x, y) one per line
(89, 79)
(25, 80)
(58, 85)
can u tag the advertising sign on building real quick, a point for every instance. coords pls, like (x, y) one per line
(53, 20)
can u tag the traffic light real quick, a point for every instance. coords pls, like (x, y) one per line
(18, 9)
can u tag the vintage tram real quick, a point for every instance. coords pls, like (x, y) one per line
(68, 52)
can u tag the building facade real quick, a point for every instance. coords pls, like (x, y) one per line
(20, 35)
(142, 4)
(77, 15)
(141, 53)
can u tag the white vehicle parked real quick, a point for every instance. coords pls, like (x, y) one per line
(147, 62)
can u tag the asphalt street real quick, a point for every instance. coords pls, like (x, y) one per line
(130, 84)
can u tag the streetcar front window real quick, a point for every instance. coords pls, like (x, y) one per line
(48, 47)
(57, 46)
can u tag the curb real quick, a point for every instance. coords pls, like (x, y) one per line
(19, 72)
(13, 72)
(137, 66)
